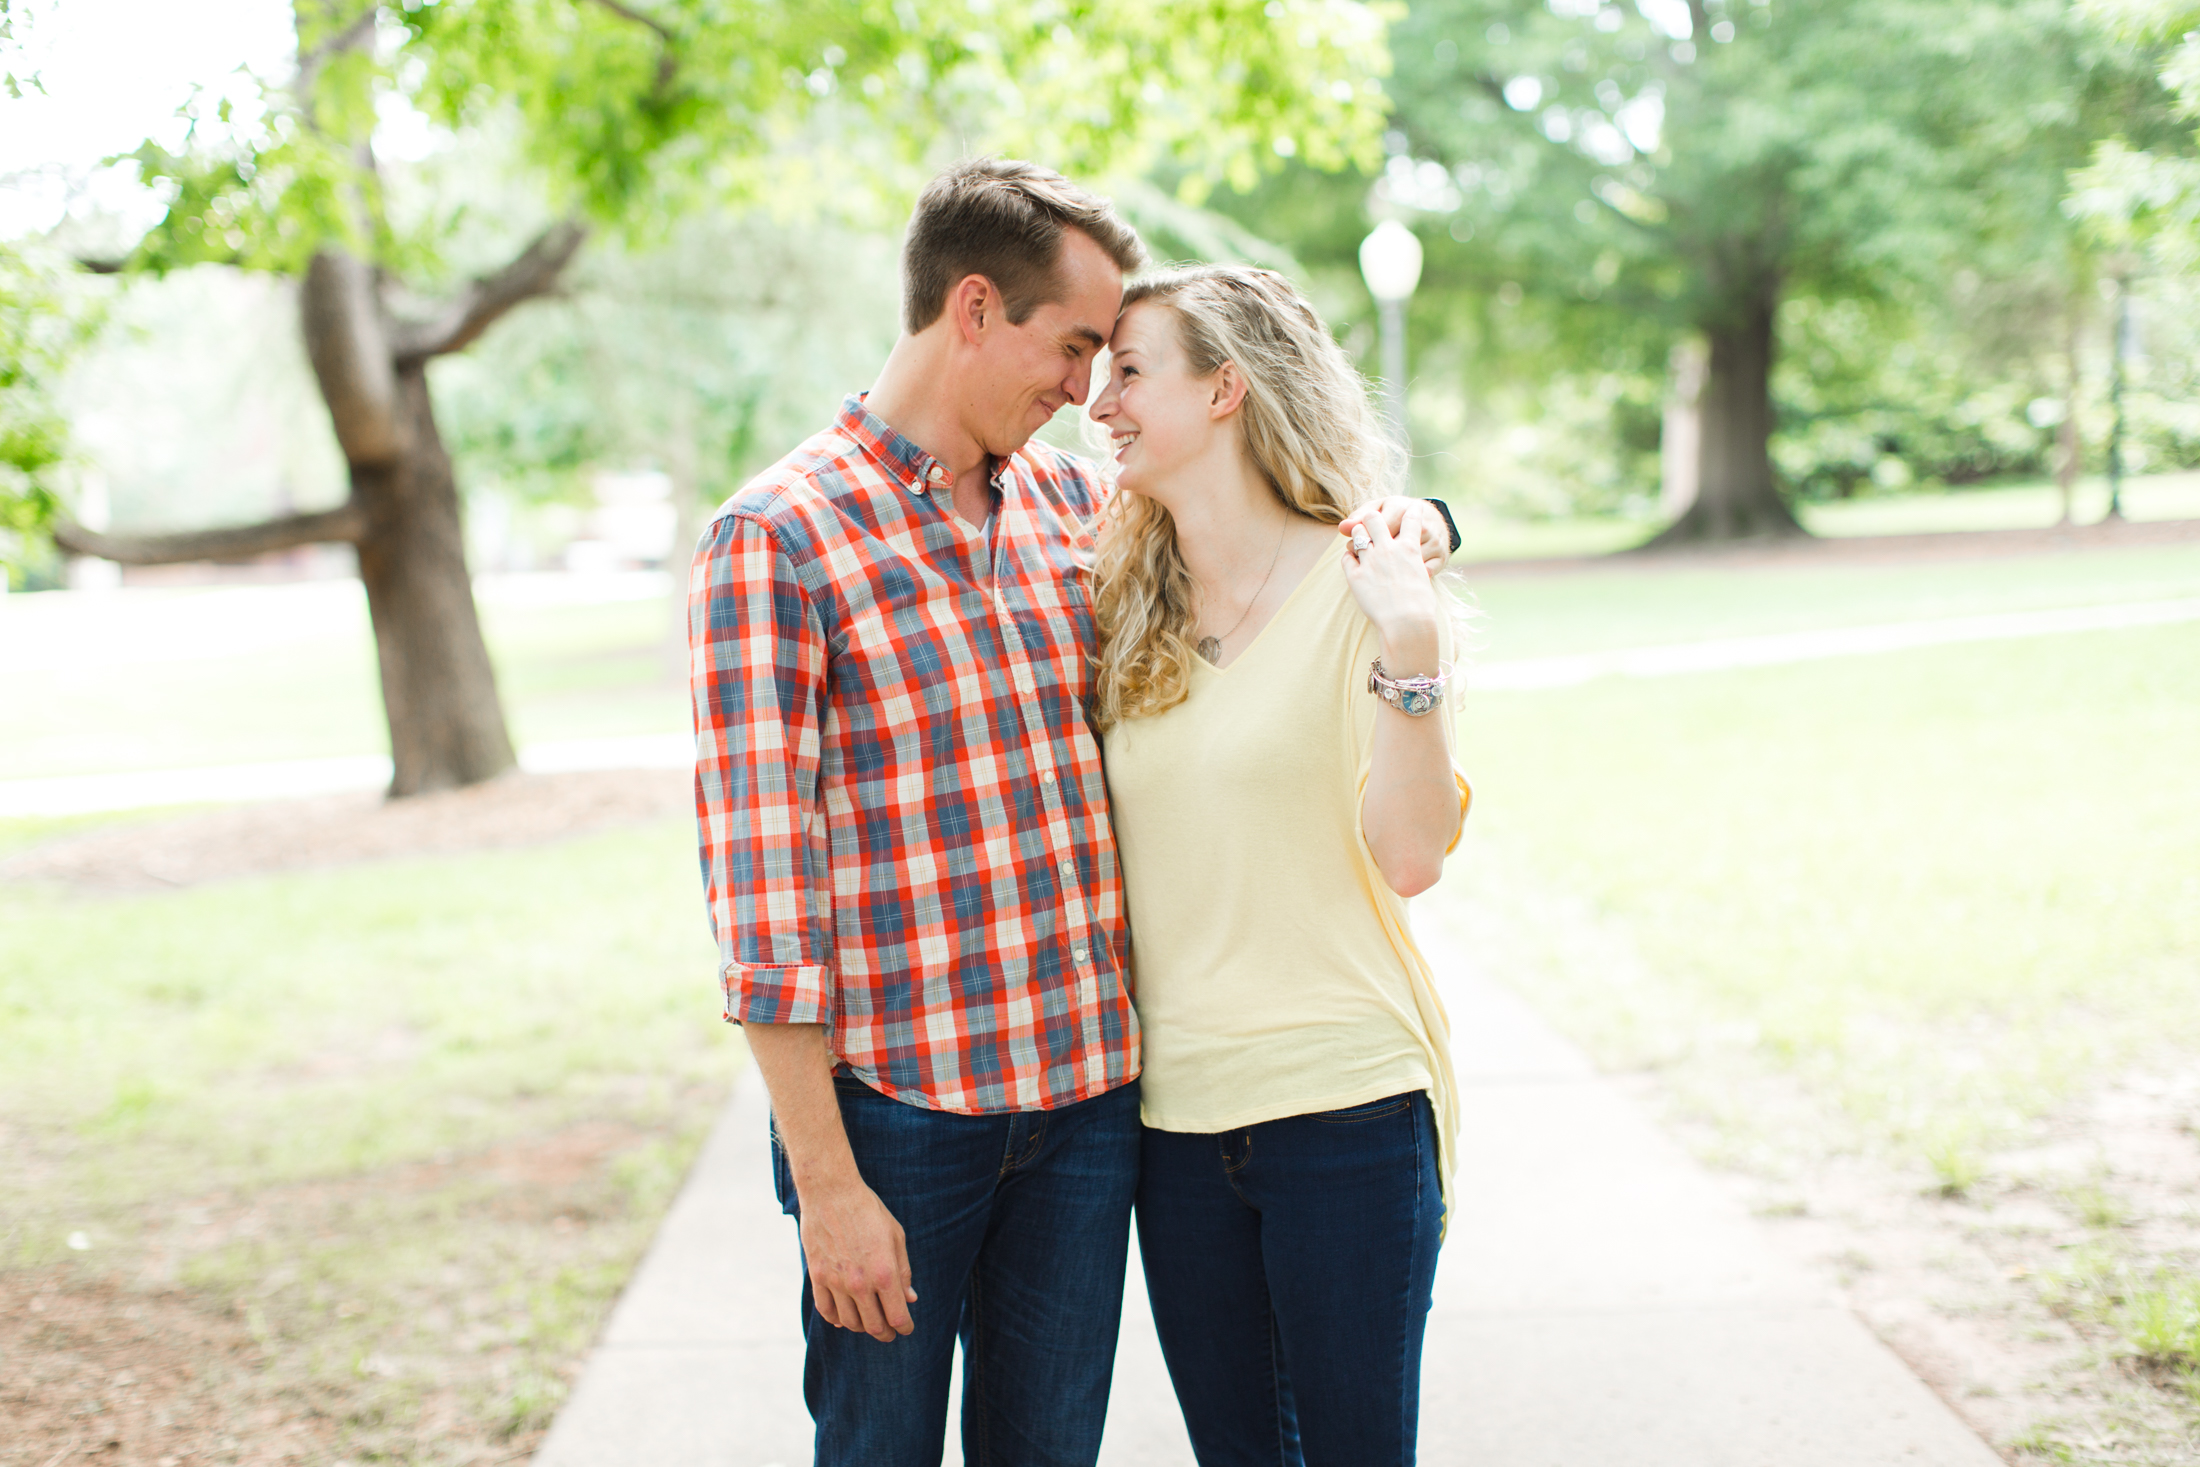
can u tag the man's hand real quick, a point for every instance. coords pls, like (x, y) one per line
(859, 1263)
(858, 1256)
(1398, 512)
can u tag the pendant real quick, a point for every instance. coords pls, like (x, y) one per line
(1210, 648)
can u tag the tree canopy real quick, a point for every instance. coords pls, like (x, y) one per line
(1598, 182)
(2142, 192)
(628, 115)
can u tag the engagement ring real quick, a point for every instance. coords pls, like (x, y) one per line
(1360, 541)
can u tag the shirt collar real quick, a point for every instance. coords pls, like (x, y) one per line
(917, 470)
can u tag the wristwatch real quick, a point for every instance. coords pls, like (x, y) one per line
(1412, 696)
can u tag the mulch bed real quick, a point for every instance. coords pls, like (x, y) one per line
(1806, 550)
(336, 830)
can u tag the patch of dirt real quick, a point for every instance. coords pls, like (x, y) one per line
(433, 1313)
(93, 1370)
(336, 830)
(1860, 549)
(1993, 1296)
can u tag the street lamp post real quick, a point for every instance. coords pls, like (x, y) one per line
(1390, 259)
(2121, 350)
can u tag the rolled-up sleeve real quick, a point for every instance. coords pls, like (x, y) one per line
(757, 671)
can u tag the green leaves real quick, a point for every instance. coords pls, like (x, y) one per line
(12, 82)
(2136, 197)
(43, 325)
(634, 112)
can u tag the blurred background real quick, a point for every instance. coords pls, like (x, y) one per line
(1816, 384)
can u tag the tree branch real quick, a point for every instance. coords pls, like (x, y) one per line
(627, 12)
(477, 308)
(346, 523)
(339, 36)
(348, 342)
(667, 63)
(1699, 17)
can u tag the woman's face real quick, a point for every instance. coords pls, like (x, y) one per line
(1160, 419)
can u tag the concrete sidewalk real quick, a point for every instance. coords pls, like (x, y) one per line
(1601, 1303)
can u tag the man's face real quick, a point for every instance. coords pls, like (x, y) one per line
(1027, 372)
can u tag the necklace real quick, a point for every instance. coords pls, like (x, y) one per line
(1211, 647)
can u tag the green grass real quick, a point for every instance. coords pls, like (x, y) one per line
(1918, 906)
(2160, 1321)
(2152, 1314)
(580, 671)
(412, 1121)
(1484, 537)
(321, 1024)
(1946, 886)
(2017, 506)
(563, 671)
(1632, 604)
(2004, 507)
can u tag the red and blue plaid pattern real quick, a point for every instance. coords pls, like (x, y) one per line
(903, 818)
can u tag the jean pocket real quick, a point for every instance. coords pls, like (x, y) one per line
(1373, 1110)
(782, 1174)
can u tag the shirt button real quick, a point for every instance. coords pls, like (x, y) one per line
(1047, 777)
(1081, 953)
(1069, 868)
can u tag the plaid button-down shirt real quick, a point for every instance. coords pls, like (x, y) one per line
(903, 818)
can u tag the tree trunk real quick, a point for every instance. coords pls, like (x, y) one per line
(439, 690)
(1735, 495)
(1680, 435)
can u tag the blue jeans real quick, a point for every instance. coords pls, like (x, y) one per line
(1018, 1229)
(1290, 1266)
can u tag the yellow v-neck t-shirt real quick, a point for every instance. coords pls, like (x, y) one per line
(1274, 971)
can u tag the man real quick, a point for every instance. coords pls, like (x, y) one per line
(906, 847)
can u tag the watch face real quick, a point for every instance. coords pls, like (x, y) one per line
(1416, 702)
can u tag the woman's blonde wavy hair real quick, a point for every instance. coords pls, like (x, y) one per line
(1308, 428)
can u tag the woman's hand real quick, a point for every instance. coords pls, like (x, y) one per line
(1395, 592)
(1409, 520)
(1409, 810)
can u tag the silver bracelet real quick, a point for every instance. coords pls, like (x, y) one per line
(1412, 696)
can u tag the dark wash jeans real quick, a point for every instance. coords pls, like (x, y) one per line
(1018, 1229)
(1290, 1266)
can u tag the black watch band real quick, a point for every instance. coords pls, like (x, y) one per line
(1449, 524)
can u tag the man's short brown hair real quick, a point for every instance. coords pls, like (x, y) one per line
(1002, 219)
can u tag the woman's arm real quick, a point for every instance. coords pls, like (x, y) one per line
(1409, 811)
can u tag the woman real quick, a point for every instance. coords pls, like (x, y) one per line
(1279, 766)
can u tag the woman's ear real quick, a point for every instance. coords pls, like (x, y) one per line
(1228, 392)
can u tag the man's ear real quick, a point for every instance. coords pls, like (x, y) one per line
(1227, 393)
(974, 304)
